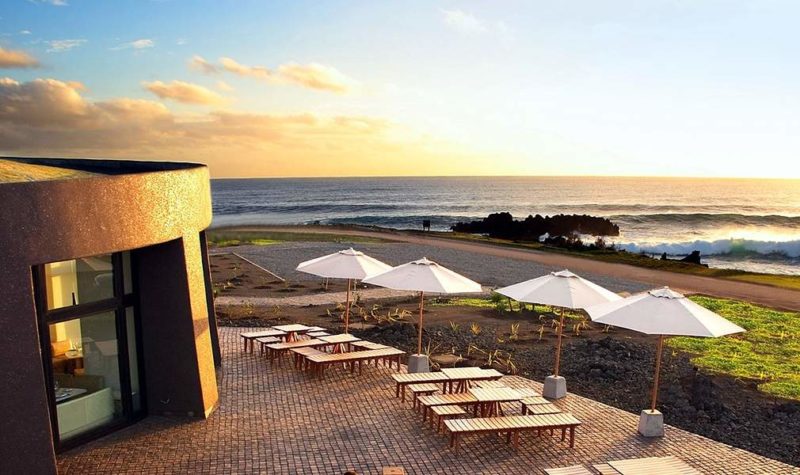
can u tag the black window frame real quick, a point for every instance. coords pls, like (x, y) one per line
(118, 304)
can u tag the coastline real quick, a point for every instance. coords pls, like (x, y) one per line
(762, 288)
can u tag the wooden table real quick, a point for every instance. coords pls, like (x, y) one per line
(292, 330)
(653, 466)
(276, 349)
(489, 399)
(462, 376)
(338, 340)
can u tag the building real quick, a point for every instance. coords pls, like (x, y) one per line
(107, 310)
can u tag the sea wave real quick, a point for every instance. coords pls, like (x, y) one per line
(727, 247)
(709, 219)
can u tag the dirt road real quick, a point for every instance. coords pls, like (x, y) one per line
(775, 297)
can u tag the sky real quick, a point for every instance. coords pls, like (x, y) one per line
(388, 88)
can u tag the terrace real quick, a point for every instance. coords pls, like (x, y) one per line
(279, 420)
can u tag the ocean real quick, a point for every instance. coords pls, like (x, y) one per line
(749, 224)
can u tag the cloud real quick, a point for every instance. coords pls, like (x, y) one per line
(57, 3)
(312, 76)
(16, 59)
(136, 44)
(59, 46)
(24, 32)
(468, 24)
(199, 63)
(463, 22)
(315, 76)
(51, 117)
(184, 92)
(258, 72)
(224, 86)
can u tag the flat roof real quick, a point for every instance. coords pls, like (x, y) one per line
(18, 169)
(13, 172)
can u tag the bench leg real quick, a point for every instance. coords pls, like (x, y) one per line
(563, 434)
(572, 437)
(397, 390)
(508, 437)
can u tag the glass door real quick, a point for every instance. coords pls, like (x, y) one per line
(90, 345)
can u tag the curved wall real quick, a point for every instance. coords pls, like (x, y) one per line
(46, 221)
(158, 208)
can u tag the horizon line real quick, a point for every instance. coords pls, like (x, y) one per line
(682, 177)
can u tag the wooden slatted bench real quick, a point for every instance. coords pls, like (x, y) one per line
(443, 413)
(605, 469)
(301, 356)
(424, 389)
(368, 345)
(490, 384)
(404, 379)
(654, 465)
(532, 401)
(538, 409)
(267, 340)
(249, 337)
(318, 363)
(512, 426)
(573, 470)
(274, 350)
(460, 399)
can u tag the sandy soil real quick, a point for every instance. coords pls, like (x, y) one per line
(762, 294)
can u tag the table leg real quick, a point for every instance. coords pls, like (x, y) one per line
(572, 437)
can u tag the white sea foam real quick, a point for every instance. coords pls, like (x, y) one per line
(718, 247)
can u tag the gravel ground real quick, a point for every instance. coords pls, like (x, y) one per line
(493, 271)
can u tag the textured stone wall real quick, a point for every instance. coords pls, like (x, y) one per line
(47, 221)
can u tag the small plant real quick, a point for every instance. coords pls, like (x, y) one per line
(541, 332)
(514, 336)
(606, 328)
(499, 302)
(454, 327)
(475, 329)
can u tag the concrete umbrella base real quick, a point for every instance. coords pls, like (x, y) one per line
(651, 423)
(555, 387)
(418, 364)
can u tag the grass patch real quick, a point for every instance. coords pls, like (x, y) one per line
(233, 237)
(768, 352)
(463, 302)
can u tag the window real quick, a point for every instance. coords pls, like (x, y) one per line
(90, 345)
(78, 281)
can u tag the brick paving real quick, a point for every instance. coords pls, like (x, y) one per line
(278, 420)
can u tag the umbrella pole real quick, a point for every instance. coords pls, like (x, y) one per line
(347, 308)
(419, 340)
(558, 345)
(658, 370)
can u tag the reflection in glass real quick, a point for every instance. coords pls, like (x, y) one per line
(85, 373)
(133, 360)
(78, 281)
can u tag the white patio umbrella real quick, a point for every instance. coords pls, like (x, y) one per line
(347, 264)
(424, 276)
(561, 289)
(662, 312)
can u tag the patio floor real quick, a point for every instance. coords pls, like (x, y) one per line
(278, 420)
